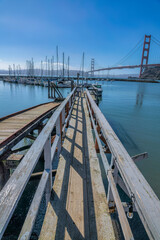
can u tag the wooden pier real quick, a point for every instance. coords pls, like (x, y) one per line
(79, 209)
(77, 204)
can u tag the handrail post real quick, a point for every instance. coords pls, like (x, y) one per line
(110, 198)
(96, 143)
(59, 133)
(70, 103)
(63, 116)
(67, 109)
(67, 112)
(48, 167)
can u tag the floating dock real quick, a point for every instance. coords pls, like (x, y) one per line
(15, 126)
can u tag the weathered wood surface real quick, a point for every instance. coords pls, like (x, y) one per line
(146, 202)
(13, 124)
(13, 189)
(39, 174)
(15, 157)
(112, 185)
(78, 208)
(33, 210)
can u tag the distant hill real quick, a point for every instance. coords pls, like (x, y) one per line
(71, 73)
(151, 73)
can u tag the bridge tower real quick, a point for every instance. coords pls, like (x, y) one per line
(145, 52)
(92, 67)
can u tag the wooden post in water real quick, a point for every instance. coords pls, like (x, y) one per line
(51, 91)
(48, 89)
(72, 85)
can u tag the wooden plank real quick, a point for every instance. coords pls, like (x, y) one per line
(103, 219)
(33, 210)
(111, 184)
(50, 222)
(76, 191)
(22, 111)
(51, 218)
(145, 200)
(3, 134)
(140, 156)
(15, 157)
(27, 130)
(39, 174)
(67, 213)
(24, 118)
(9, 128)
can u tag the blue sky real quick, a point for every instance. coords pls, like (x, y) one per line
(104, 30)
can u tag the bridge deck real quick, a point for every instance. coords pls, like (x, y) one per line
(78, 207)
(14, 124)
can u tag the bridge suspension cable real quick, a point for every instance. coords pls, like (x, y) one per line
(130, 53)
(155, 40)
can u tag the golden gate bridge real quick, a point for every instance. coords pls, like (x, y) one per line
(144, 59)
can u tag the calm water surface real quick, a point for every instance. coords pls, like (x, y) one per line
(15, 97)
(133, 110)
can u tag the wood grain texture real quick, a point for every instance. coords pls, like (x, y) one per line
(13, 189)
(78, 208)
(146, 202)
(11, 126)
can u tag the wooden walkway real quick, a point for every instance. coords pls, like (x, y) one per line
(11, 126)
(78, 208)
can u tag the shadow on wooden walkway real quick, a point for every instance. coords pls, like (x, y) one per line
(78, 208)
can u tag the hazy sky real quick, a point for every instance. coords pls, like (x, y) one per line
(105, 30)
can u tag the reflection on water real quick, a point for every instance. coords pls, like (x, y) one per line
(140, 94)
(133, 110)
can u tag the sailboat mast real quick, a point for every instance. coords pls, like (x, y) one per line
(63, 66)
(57, 62)
(68, 67)
(82, 67)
